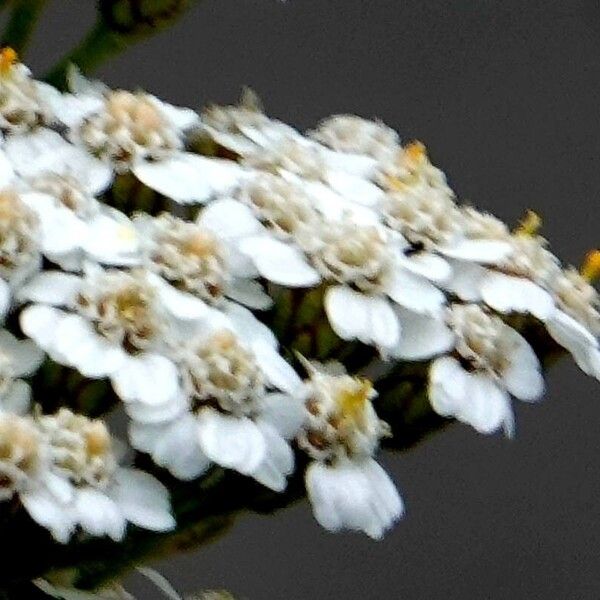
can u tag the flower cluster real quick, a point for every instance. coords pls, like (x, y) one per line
(185, 313)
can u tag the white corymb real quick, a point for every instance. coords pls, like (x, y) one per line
(575, 322)
(244, 403)
(341, 432)
(86, 484)
(110, 324)
(484, 362)
(201, 259)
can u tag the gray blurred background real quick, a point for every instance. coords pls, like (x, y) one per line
(506, 96)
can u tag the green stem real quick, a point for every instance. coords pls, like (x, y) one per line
(121, 24)
(22, 23)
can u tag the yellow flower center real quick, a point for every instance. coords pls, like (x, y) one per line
(590, 269)
(8, 59)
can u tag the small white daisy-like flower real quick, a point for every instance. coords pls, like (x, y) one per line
(98, 494)
(200, 260)
(244, 404)
(575, 322)
(360, 262)
(489, 361)
(25, 471)
(243, 129)
(110, 324)
(137, 132)
(25, 103)
(341, 432)
(355, 135)
(20, 244)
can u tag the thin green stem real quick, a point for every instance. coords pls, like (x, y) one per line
(22, 23)
(121, 24)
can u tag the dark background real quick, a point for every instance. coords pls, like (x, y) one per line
(506, 96)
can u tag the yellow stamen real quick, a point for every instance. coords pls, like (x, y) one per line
(590, 269)
(530, 224)
(352, 400)
(8, 59)
(416, 151)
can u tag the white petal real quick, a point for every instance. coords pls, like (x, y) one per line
(422, 336)
(447, 386)
(174, 446)
(232, 442)
(523, 377)
(347, 313)
(40, 323)
(355, 164)
(466, 280)
(353, 495)
(51, 287)
(98, 515)
(355, 189)
(143, 500)
(17, 399)
(279, 262)
(486, 406)
(278, 372)
(247, 326)
(189, 178)
(415, 293)
(112, 239)
(229, 219)
(425, 264)
(180, 304)
(278, 462)
(507, 293)
(485, 252)
(78, 345)
(573, 336)
(249, 293)
(370, 319)
(25, 355)
(285, 413)
(45, 510)
(181, 117)
(149, 378)
(157, 413)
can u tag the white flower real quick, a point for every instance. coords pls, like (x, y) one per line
(110, 324)
(346, 486)
(25, 104)
(242, 129)
(60, 182)
(490, 361)
(200, 259)
(19, 245)
(94, 491)
(359, 261)
(139, 133)
(575, 322)
(355, 135)
(244, 404)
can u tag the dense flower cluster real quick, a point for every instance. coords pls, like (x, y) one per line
(180, 311)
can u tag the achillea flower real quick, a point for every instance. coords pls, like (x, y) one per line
(341, 432)
(243, 404)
